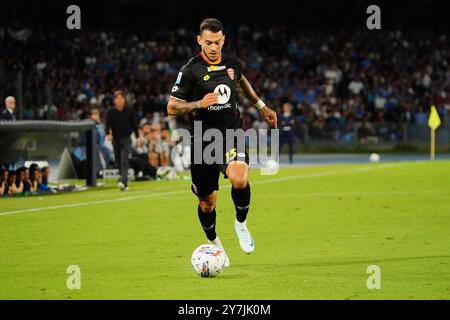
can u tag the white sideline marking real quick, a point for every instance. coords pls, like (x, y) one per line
(124, 199)
(81, 204)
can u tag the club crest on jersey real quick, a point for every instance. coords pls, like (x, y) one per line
(230, 72)
(206, 78)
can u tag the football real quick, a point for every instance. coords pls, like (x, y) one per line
(208, 260)
(374, 157)
(271, 167)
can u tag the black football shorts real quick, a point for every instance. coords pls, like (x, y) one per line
(205, 177)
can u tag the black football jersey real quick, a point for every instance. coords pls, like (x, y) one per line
(198, 78)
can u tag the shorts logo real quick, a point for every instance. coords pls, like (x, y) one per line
(194, 188)
(230, 72)
(206, 78)
(174, 88)
(224, 92)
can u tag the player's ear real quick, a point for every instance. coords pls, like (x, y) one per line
(199, 39)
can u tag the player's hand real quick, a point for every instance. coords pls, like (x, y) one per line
(209, 100)
(270, 116)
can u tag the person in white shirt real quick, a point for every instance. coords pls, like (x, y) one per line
(8, 112)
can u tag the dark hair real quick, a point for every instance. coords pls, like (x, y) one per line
(33, 168)
(119, 93)
(1, 174)
(211, 24)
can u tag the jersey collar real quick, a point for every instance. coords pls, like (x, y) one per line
(205, 58)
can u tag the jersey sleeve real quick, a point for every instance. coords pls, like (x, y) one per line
(184, 85)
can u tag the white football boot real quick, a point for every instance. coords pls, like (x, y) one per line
(244, 236)
(122, 186)
(218, 244)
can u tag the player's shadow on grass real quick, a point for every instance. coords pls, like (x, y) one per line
(244, 275)
(226, 276)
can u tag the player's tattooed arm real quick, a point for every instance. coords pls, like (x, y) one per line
(177, 107)
(245, 88)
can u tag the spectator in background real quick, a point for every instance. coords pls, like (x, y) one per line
(286, 125)
(19, 181)
(25, 176)
(139, 157)
(154, 147)
(4, 187)
(42, 187)
(34, 174)
(38, 179)
(12, 177)
(45, 175)
(100, 135)
(146, 127)
(140, 146)
(166, 146)
(8, 112)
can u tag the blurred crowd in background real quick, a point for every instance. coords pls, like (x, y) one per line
(340, 77)
(25, 181)
(328, 78)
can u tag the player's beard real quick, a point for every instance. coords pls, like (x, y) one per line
(218, 56)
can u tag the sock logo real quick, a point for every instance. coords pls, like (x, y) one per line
(224, 93)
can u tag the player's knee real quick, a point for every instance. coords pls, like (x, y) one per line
(207, 206)
(239, 182)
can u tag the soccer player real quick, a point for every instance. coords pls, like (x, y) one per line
(206, 88)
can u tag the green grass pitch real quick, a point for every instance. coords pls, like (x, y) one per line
(316, 229)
